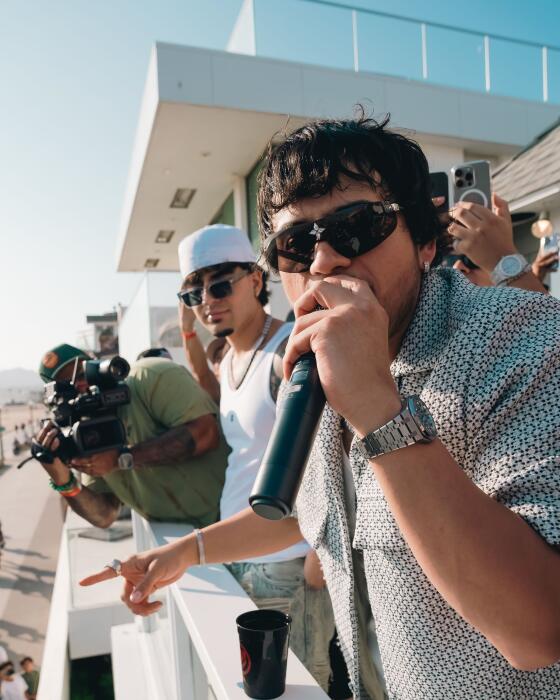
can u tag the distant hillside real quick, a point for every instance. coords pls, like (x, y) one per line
(19, 378)
(20, 385)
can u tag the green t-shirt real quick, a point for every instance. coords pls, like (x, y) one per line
(164, 395)
(32, 680)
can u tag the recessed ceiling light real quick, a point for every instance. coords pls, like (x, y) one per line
(151, 262)
(164, 236)
(182, 198)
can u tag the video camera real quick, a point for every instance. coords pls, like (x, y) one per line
(87, 420)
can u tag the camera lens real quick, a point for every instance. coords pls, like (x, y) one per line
(459, 173)
(459, 182)
(469, 178)
(119, 368)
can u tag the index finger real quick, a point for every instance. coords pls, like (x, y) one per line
(104, 575)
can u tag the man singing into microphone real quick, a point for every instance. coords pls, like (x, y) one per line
(431, 494)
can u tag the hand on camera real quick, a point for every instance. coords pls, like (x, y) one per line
(350, 338)
(482, 235)
(98, 464)
(147, 572)
(48, 439)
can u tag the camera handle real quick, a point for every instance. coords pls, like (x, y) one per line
(39, 453)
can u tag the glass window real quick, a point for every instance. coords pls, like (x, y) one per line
(226, 213)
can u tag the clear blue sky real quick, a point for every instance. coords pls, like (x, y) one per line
(71, 79)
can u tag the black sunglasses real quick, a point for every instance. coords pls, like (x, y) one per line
(351, 231)
(218, 289)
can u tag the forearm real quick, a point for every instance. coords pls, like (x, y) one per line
(196, 357)
(487, 563)
(99, 509)
(178, 444)
(243, 536)
(530, 282)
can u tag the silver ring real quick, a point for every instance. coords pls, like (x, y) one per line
(116, 565)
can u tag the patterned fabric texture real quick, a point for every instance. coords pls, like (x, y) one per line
(486, 363)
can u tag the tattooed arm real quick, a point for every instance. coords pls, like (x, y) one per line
(188, 440)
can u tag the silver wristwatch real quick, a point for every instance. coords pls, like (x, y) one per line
(509, 268)
(413, 424)
(125, 460)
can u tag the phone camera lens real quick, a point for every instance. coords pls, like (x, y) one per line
(459, 173)
(469, 178)
(459, 182)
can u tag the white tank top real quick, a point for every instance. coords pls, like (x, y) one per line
(247, 415)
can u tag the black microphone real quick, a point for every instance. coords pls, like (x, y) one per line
(297, 419)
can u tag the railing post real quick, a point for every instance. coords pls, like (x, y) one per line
(191, 682)
(424, 51)
(545, 74)
(355, 40)
(142, 542)
(487, 83)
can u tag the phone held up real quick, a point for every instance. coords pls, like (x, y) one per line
(551, 244)
(471, 183)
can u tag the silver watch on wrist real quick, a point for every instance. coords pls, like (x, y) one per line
(413, 424)
(125, 460)
(509, 268)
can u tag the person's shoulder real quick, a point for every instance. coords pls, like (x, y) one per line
(155, 367)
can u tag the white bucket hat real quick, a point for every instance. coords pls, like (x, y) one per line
(214, 245)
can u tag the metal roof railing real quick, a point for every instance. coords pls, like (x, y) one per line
(383, 42)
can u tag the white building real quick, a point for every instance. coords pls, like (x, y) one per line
(207, 116)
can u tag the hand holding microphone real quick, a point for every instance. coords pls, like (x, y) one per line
(338, 350)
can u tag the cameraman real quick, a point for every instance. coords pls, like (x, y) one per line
(174, 465)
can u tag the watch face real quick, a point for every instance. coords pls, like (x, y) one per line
(423, 417)
(511, 265)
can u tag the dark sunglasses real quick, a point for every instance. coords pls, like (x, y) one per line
(450, 260)
(351, 231)
(218, 289)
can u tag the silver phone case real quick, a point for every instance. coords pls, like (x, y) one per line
(477, 190)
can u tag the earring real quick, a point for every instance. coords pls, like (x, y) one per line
(426, 267)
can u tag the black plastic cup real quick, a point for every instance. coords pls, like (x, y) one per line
(263, 638)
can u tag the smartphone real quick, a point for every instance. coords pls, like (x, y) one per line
(440, 188)
(471, 183)
(551, 244)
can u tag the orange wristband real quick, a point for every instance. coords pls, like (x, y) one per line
(73, 492)
(188, 336)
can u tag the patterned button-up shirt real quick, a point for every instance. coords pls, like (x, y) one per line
(486, 363)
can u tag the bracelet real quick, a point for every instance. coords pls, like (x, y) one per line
(69, 485)
(200, 545)
(72, 492)
(188, 336)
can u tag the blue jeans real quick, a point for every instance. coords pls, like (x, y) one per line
(281, 585)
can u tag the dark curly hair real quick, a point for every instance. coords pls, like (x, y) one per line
(310, 161)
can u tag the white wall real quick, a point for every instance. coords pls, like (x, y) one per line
(134, 327)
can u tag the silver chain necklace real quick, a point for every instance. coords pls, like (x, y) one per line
(256, 348)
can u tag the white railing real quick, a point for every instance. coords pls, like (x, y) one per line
(54, 683)
(345, 34)
(202, 607)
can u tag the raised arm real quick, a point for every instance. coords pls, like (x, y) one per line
(195, 353)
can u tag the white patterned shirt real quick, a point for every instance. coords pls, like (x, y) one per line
(486, 362)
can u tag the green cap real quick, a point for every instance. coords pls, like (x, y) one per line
(57, 358)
